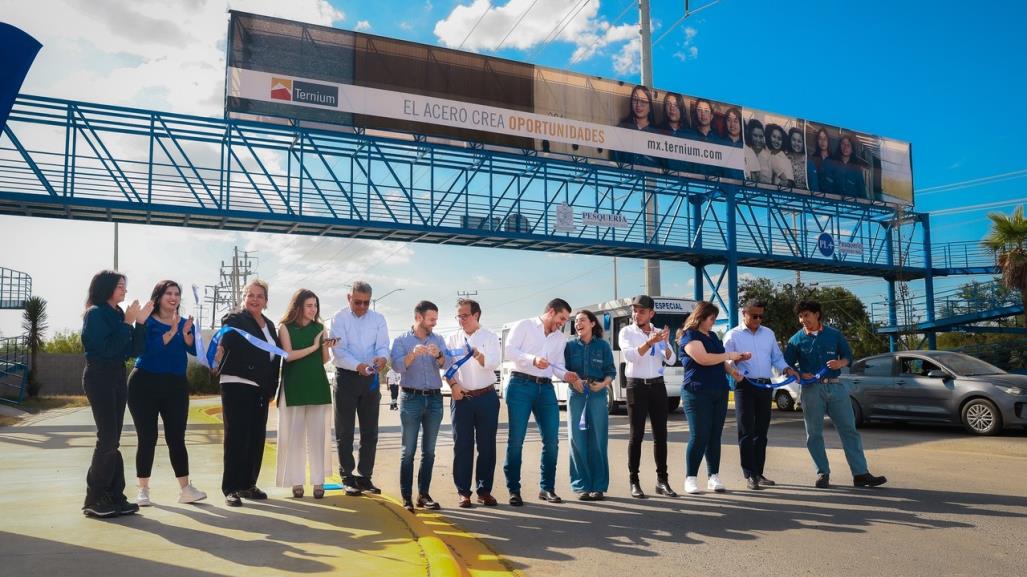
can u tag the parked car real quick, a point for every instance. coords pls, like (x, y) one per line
(787, 397)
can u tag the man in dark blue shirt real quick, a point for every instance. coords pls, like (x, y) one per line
(815, 348)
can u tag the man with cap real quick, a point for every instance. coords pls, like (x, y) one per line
(646, 350)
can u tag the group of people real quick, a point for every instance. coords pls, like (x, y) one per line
(258, 363)
(777, 156)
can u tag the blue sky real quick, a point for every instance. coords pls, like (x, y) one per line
(947, 79)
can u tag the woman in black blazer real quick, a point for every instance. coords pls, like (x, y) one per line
(249, 380)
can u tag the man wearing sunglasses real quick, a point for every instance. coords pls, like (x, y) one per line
(359, 355)
(752, 388)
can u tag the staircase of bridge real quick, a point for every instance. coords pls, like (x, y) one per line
(970, 308)
(14, 369)
(15, 289)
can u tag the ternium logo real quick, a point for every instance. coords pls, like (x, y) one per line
(305, 92)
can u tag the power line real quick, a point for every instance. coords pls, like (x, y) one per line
(560, 26)
(627, 6)
(516, 24)
(976, 207)
(488, 6)
(972, 182)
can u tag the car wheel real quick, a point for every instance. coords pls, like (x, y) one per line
(784, 401)
(981, 417)
(857, 413)
(673, 403)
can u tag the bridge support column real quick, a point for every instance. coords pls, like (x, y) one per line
(925, 222)
(893, 317)
(732, 259)
(697, 231)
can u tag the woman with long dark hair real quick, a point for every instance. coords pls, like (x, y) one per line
(796, 151)
(640, 116)
(705, 393)
(108, 338)
(819, 159)
(591, 358)
(249, 381)
(780, 166)
(305, 400)
(158, 387)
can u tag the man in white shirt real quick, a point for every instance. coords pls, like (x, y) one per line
(536, 346)
(753, 390)
(361, 352)
(475, 404)
(646, 349)
(393, 378)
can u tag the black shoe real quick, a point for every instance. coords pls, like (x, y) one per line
(253, 493)
(868, 480)
(598, 496)
(350, 487)
(663, 488)
(126, 508)
(586, 496)
(101, 509)
(408, 504)
(823, 481)
(425, 501)
(636, 490)
(753, 483)
(365, 485)
(765, 482)
(233, 500)
(515, 500)
(393, 407)
(549, 496)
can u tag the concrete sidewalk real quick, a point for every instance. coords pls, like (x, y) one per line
(45, 459)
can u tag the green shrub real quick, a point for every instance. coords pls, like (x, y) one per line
(201, 382)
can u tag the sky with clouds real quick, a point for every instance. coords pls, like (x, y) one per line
(947, 79)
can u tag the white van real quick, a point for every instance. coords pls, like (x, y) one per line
(614, 315)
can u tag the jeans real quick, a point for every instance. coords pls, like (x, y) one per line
(590, 467)
(475, 422)
(706, 409)
(165, 395)
(417, 413)
(752, 412)
(104, 385)
(831, 399)
(354, 400)
(523, 399)
(647, 401)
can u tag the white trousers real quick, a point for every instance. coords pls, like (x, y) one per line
(303, 430)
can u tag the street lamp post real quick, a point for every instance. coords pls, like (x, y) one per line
(374, 301)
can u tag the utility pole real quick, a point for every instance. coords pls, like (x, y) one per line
(466, 294)
(652, 266)
(115, 246)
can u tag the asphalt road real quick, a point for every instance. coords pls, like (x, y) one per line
(954, 505)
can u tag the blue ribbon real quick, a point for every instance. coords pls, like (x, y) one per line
(811, 381)
(459, 363)
(659, 347)
(583, 422)
(259, 343)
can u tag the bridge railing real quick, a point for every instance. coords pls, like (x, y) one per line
(972, 298)
(14, 369)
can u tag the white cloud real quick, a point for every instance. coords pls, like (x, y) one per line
(362, 25)
(533, 24)
(629, 59)
(689, 50)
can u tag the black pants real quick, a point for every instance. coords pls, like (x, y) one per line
(647, 401)
(104, 385)
(475, 422)
(752, 411)
(394, 393)
(354, 400)
(165, 395)
(244, 409)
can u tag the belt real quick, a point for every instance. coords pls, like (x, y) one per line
(759, 381)
(646, 382)
(829, 380)
(532, 378)
(353, 373)
(425, 392)
(480, 392)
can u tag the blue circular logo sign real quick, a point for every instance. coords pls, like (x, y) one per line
(825, 244)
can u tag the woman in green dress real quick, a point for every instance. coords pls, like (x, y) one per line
(305, 399)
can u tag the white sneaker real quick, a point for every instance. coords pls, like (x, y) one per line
(715, 484)
(191, 494)
(143, 497)
(692, 486)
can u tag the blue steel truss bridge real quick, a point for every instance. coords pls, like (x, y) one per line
(84, 161)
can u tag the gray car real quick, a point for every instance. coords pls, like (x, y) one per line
(939, 387)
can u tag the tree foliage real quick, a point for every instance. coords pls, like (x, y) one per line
(35, 323)
(1008, 240)
(841, 309)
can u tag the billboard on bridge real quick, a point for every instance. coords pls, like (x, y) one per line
(280, 68)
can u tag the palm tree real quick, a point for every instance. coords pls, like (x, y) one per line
(34, 323)
(1008, 239)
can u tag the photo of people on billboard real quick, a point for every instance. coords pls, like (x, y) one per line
(775, 150)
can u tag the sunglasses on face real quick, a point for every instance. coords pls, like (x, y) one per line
(751, 316)
(360, 303)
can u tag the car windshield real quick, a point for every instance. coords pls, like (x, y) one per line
(967, 366)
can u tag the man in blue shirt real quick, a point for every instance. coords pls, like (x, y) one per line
(417, 356)
(753, 392)
(815, 348)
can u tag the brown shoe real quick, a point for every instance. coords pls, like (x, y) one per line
(487, 499)
(465, 502)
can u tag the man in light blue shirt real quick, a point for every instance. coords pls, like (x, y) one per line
(753, 392)
(418, 355)
(361, 352)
